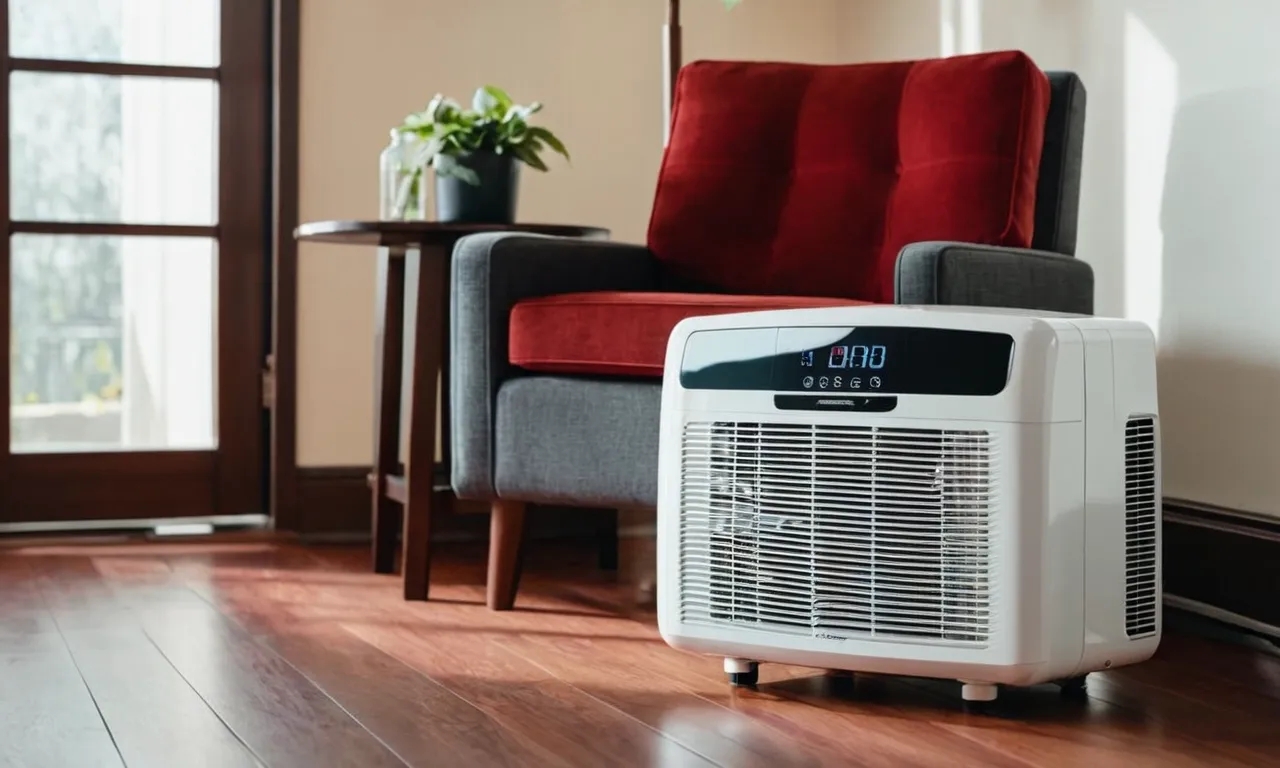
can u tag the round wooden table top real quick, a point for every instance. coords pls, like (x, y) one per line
(392, 233)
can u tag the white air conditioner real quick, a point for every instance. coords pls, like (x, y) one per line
(938, 492)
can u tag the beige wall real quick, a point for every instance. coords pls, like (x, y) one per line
(597, 66)
(1183, 106)
(881, 30)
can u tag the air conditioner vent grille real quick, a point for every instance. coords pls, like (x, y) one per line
(1141, 600)
(844, 531)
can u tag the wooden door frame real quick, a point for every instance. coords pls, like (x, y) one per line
(228, 481)
(283, 366)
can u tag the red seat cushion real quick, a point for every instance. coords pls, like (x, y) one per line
(620, 334)
(809, 179)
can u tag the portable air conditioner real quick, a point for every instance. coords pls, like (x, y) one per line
(936, 492)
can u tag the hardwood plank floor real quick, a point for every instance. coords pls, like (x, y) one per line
(210, 653)
(145, 703)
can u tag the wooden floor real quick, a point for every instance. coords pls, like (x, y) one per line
(240, 654)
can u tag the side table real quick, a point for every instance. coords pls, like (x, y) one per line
(430, 243)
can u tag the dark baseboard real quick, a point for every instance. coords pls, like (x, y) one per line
(332, 501)
(1223, 564)
(334, 504)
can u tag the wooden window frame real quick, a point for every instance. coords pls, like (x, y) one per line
(229, 480)
(282, 365)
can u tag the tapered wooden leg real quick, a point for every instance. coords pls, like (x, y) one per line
(389, 325)
(506, 539)
(420, 463)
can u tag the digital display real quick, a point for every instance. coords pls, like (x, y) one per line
(879, 360)
(900, 360)
(860, 356)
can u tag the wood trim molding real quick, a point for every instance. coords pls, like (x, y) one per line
(244, 226)
(112, 68)
(336, 502)
(64, 487)
(1226, 561)
(283, 359)
(111, 229)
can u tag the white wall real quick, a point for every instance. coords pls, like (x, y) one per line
(1181, 192)
(596, 64)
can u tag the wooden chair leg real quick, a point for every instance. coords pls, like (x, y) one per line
(506, 539)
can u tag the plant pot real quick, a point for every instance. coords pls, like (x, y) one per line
(492, 201)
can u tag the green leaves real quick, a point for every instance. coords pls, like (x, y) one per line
(490, 100)
(529, 156)
(543, 136)
(495, 123)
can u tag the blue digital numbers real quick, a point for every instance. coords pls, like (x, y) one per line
(858, 356)
(869, 356)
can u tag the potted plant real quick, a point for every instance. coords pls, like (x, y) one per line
(477, 153)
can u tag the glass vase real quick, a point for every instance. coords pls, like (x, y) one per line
(403, 187)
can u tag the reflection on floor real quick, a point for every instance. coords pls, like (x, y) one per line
(268, 653)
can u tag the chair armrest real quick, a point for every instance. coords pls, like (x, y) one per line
(491, 273)
(969, 275)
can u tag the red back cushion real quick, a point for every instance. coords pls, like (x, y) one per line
(809, 179)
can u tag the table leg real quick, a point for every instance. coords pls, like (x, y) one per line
(388, 370)
(444, 497)
(420, 463)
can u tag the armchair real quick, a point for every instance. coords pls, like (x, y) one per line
(945, 181)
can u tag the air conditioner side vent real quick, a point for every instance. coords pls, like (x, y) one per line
(1141, 599)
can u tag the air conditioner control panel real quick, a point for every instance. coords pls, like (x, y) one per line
(871, 360)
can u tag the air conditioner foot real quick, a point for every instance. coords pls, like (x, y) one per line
(978, 692)
(742, 672)
(1074, 687)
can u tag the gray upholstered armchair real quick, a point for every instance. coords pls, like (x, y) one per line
(949, 181)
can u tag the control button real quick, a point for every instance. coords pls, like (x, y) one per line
(808, 382)
(875, 382)
(836, 382)
(856, 383)
(822, 383)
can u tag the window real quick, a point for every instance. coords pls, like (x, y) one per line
(138, 259)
